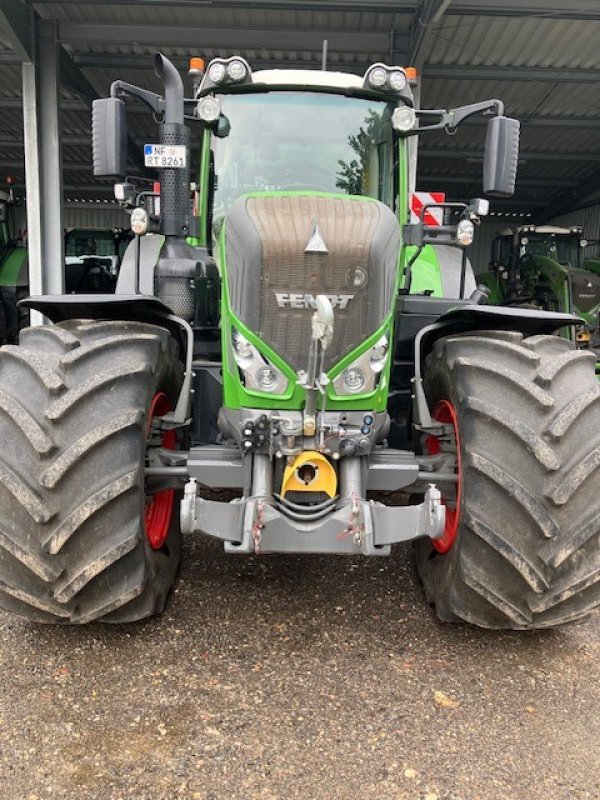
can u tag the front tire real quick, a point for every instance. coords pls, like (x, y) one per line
(526, 553)
(75, 402)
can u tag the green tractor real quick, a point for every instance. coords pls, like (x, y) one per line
(544, 267)
(14, 272)
(268, 332)
(93, 258)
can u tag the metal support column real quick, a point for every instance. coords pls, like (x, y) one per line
(51, 210)
(32, 184)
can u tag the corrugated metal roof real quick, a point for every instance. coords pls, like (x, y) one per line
(480, 40)
(515, 42)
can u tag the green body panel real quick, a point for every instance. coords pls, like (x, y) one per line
(492, 281)
(593, 265)
(13, 267)
(426, 274)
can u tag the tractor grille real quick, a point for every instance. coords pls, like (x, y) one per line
(273, 280)
(586, 290)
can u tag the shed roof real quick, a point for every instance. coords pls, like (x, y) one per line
(539, 56)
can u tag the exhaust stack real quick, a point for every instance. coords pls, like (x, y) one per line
(175, 206)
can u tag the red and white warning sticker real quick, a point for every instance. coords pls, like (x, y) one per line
(433, 216)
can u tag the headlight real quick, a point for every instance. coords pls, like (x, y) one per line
(256, 372)
(379, 354)
(237, 70)
(465, 232)
(397, 80)
(209, 109)
(216, 72)
(383, 77)
(377, 77)
(222, 71)
(404, 119)
(354, 380)
(241, 345)
(364, 373)
(266, 378)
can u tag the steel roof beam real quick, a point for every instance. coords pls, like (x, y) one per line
(547, 122)
(575, 198)
(549, 9)
(476, 178)
(223, 38)
(428, 152)
(510, 74)
(16, 22)
(428, 13)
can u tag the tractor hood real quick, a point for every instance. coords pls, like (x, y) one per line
(282, 249)
(586, 290)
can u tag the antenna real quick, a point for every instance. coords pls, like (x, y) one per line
(324, 57)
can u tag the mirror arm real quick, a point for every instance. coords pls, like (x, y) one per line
(124, 89)
(451, 118)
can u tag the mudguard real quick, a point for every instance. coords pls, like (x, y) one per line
(468, 317)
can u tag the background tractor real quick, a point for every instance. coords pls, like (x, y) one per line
(93, 258)
(268, 331)
(14, 272)
(545, 267)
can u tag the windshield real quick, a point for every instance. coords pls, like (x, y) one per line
(303, 140)
(562, 248)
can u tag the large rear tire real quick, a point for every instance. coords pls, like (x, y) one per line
(75, 401)
(525, 552)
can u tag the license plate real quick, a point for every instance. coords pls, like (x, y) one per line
(164, 156)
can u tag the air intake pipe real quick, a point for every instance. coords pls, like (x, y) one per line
(178, 263)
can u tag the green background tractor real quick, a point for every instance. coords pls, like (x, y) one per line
(286, 366)
(14, 273)
(545, 267)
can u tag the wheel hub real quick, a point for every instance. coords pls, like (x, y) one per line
(445, 413)
(158, 511)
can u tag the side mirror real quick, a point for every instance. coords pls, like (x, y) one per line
(109, 138)
(501, 156)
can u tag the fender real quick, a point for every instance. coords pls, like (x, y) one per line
(469, 317)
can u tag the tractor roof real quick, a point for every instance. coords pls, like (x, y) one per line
(307, 78)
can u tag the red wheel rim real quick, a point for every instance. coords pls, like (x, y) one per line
(446, 413)
(159, 510)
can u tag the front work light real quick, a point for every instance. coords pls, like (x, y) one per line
(225, 72)
(216, 72)
(393, 80)
(403, 119)
(377, 77)
(208, 109)
(237, 70)
(397, 80)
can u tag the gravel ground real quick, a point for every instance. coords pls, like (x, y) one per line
(299, 677)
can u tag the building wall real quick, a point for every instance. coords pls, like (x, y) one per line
(83, 215)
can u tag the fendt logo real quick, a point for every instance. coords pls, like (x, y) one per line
(285, 300)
